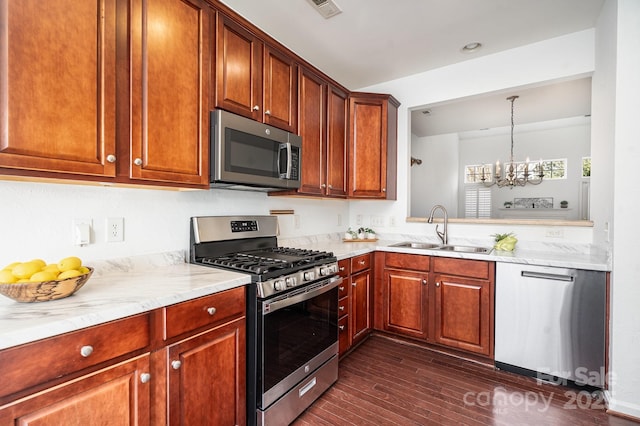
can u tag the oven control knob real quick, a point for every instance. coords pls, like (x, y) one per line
(279, 285)
(291, 281)
(308, 276)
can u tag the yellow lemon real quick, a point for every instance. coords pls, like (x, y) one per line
(69, 274)
(7, 277)
(42, 276)
(11, 266)
(83, 269)
(23, 280)
(25, 270)
(69, 263)
(40, 262)
(52, 267)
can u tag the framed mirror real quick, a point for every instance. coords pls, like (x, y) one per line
(455, 146)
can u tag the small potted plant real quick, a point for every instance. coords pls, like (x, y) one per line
(508, 204)
(362, 234)
(369, 233)
(350, 234)
(564, 204)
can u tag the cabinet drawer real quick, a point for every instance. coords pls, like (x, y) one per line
(461, 267)
(343, 288)
(360, 263)
(38, 362)
(343, 307)
(208, 310)
(415, 262)
(344, 268)
(344, 335)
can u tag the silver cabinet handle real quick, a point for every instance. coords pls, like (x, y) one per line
(324, 185)
(211, 311)
(330, 186)
(384, 189)
(438, 284)
(256, 108)
(176, 364)
(111, 158)
(362, 262)
(85, 351)
(341, 268)
(354, 284)
(145, 377)
(341, 288)
(341, 327)
(424, 282)
(137, 161)
(267, 112)
(341, 308)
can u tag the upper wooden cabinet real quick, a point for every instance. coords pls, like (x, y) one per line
(58, 95)
(323, 117)
(88, 96)
(254, 79)
(372, 145)
(170, 56)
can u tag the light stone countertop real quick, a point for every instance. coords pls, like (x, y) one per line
(117, 289)
(122, 287)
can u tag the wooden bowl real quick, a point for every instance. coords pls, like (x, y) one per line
(45, 290)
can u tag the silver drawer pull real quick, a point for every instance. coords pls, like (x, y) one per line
(362, 262)
(341, 308)
(341, 268)
(341, 288)
(145, 377)
(85, 351)
(176, 364)
(341, 327)
(211, 311)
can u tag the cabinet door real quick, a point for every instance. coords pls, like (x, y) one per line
(169, 98)
(118, 395)
(464, 313)
(238, 69)
(312, 96)
(58, 91)
(406, 303)
(360, 296)
(207, 383)
(336, 174)
(368, 154)
(280, 90)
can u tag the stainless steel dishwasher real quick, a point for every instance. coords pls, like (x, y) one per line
(550, 323)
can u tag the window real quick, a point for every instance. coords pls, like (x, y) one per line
(475, 173)
(477, 202)
(555, 169)
(586, 167)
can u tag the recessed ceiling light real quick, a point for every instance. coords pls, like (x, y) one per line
(471, 47)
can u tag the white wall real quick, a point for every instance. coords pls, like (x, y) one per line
(36, 219)
(569, 56)
(619, 29)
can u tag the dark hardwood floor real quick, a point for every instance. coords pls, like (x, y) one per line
(386, 382)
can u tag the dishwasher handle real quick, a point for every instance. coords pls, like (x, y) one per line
(548, 276)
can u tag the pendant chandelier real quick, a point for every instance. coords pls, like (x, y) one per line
(513, 176)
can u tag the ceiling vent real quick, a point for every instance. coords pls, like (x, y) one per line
(326, 8)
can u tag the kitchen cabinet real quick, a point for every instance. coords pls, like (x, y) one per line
(372, 146)
(55, 121)
(96, 375)
(132, 103)
(355, 301)
(437, 300)
(254, 79)
(464, 304)
(170, 54)
(323, 109)
(405, 294)
(360, 297)
(344, 328)
(204, 361)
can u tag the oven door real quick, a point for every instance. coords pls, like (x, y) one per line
(297, 333)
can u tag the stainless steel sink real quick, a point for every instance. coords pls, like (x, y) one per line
(454, 248)
(409, 244)
(466, 249)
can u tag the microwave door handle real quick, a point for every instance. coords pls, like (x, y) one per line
(287, 173)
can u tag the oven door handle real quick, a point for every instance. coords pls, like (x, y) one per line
(301, 296)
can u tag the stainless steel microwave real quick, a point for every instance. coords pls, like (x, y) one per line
(246, 154)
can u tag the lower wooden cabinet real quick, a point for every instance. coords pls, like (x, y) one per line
(355, 301)
(117, 395)
(206, 377)
(444, 301)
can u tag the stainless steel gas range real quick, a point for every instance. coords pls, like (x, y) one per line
(292, 316)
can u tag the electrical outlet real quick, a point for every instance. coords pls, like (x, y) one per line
(377, 221)
(392, 221)
(115, 229)
(359, 219)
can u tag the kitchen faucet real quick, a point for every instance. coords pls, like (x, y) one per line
(441, 235)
